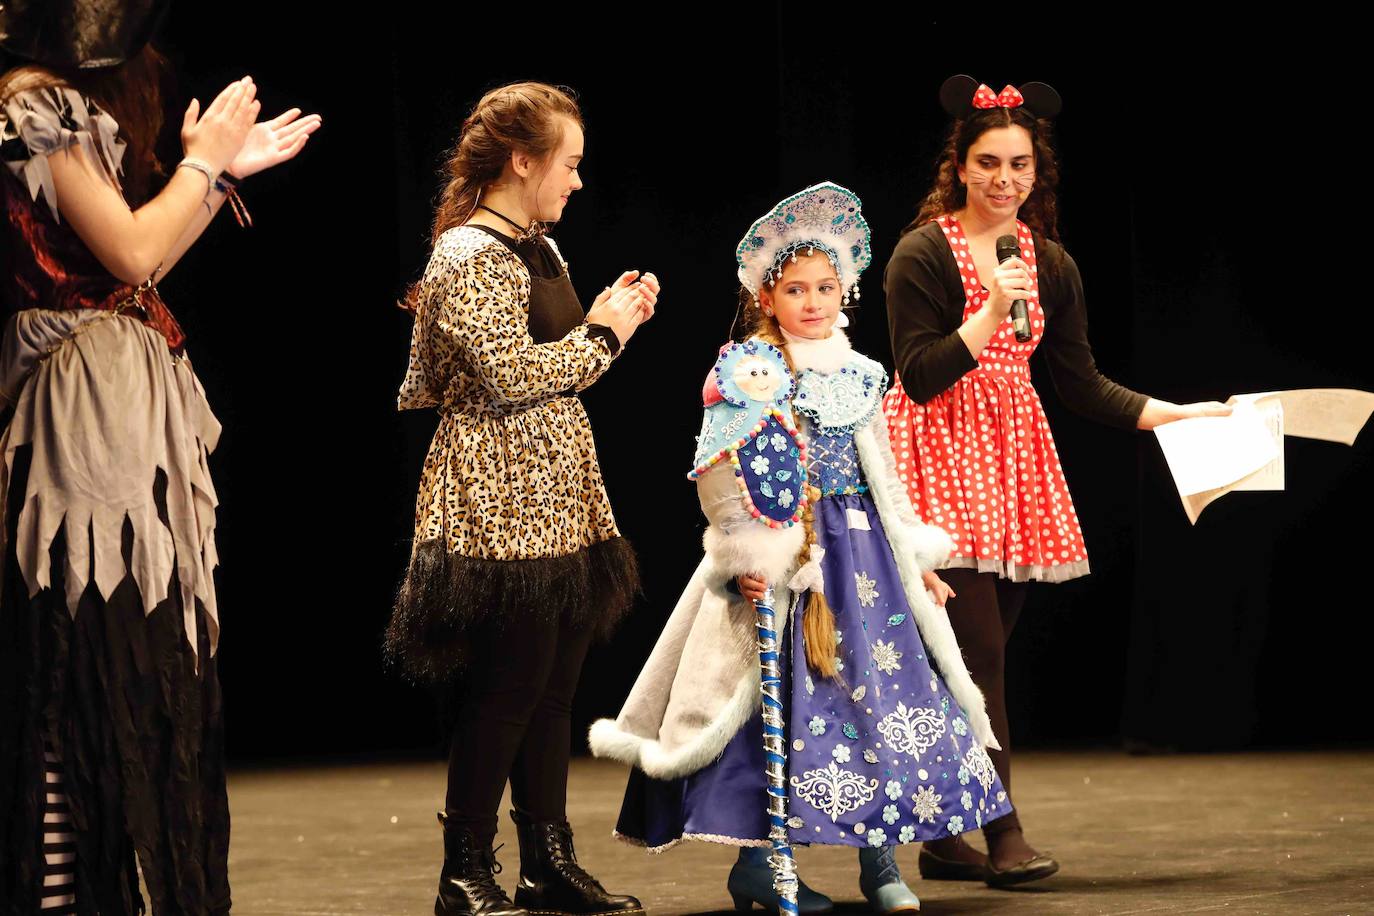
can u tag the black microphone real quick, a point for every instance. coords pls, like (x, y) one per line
(1008, 248)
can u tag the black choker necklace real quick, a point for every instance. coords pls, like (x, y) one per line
(533, 230)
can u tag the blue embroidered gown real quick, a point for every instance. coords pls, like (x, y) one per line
(885, 757)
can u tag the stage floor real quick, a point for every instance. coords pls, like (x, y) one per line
(1234, 833)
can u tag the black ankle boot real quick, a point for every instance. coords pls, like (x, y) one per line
(467, 886)
(551, 882)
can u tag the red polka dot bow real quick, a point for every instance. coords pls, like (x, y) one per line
(1009, 97)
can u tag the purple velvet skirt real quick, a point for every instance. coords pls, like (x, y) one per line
(881, 756)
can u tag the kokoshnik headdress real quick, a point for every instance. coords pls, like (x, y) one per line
(824, 217)
(79, 34)
(962, 95)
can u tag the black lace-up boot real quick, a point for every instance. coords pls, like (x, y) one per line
(552, 883)
(467, 885)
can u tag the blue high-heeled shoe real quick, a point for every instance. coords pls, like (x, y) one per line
(751, 882)
(881, 882)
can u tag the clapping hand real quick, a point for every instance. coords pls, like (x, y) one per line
(627, 304)
(218, 134)
(273, 142)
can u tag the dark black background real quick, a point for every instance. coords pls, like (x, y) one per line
(1213, 194)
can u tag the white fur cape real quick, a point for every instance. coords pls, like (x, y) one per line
(700, 684)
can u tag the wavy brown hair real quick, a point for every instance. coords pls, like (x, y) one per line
(818, 621)
(131, 92)
(526, 117)
(1040, 210)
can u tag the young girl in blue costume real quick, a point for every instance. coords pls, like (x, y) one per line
(885, 729)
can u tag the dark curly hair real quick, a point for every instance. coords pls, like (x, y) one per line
(1040, 210)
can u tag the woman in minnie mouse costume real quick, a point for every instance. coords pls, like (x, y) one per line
(970, 436)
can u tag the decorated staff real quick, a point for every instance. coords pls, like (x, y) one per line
(748, 382)
(775, 753)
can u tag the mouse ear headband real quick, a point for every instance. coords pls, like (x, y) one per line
(962, 95)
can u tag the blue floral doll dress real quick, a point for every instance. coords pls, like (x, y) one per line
(881, 755)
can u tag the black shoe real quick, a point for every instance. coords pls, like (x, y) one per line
(552, 883)
(467, 885)
(938, 868)
(1033, 869)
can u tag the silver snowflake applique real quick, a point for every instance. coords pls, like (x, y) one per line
(834, 791)
(980, 765)
(927, 804)
(868, 591)
(886, 657)
(912, 730)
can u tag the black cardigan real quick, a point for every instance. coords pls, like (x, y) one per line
(925, 307)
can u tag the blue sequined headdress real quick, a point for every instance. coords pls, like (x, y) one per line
(824, 217)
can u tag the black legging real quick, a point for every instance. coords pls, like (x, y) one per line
(983, 614)
(514, 720)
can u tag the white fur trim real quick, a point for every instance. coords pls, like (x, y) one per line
(608, 739)
(827, 355)
(755, 549)
(929, 545)
(910, 544)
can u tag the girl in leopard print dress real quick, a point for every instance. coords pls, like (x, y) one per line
(517, 562)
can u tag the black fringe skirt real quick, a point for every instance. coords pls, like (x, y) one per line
(138, 729)
(444, 596)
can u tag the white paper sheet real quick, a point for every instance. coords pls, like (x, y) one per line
(1211, 456)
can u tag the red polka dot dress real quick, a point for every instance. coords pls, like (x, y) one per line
(978, 459)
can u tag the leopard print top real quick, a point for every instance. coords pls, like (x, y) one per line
(512, 472)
